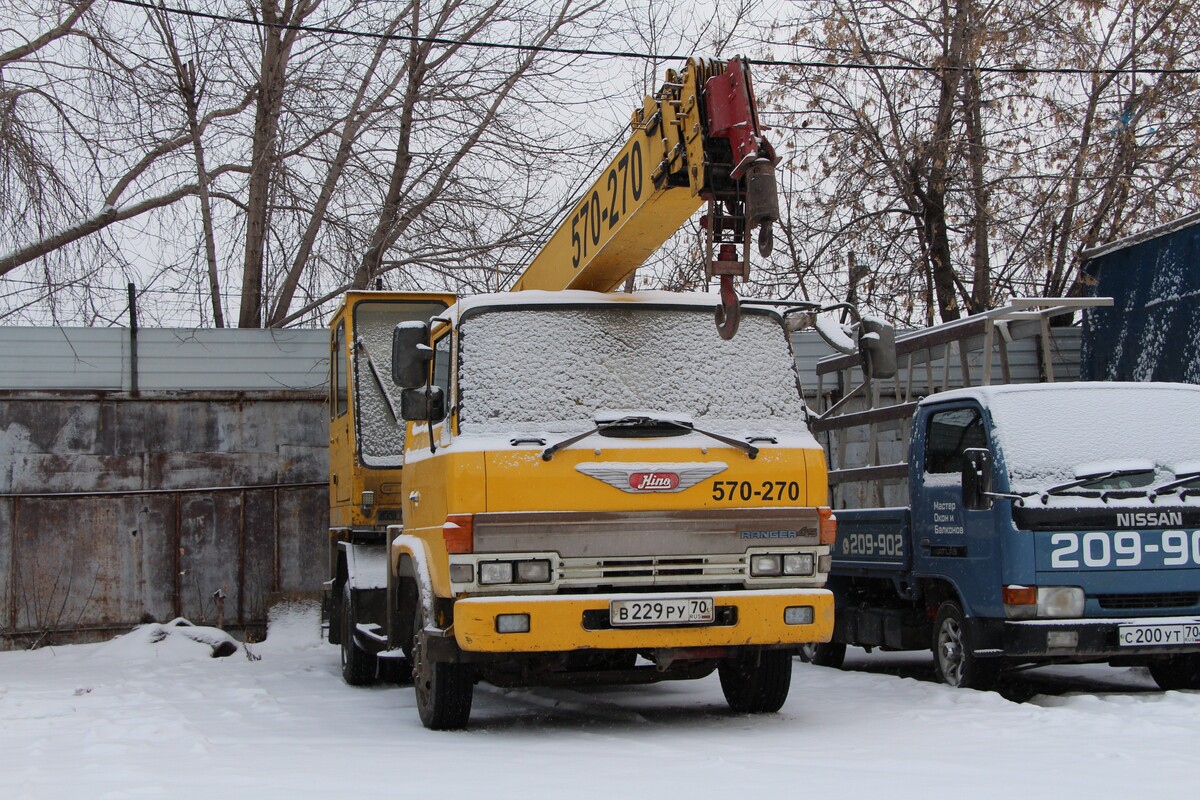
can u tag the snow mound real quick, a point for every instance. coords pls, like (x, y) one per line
(292, 625)
(177, 641)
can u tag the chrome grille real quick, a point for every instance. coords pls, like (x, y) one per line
(653, 570)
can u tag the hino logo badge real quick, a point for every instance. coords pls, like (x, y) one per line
(654, 481)
(644, 478)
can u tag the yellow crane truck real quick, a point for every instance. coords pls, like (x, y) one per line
(564, 485)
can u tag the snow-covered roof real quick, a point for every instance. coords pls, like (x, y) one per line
(1099, 389)
(535, 297)
(1055, 432)
(1143, 236)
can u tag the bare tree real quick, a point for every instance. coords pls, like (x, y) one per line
(106, 151)
(968, 150)
(188, 82)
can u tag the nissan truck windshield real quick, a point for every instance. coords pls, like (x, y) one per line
(1097, 437)
(552, 369)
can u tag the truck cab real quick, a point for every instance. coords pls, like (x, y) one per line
(596, 489)
(1047, 523)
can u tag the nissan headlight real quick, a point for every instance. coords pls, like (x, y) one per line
(1060, 602)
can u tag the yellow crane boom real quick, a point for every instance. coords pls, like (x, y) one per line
(696, 140)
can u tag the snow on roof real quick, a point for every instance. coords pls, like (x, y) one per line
(1052, 432)
(1142, 236)
(532, 297)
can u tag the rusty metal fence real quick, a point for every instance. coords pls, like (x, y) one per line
(117, 509)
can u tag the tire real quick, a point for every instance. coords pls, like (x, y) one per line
(396, 671)
(444, 690)
(756, 681)
(358, 666)
(334, 618)
(1177, 672)
(824, 654)
(954, 661)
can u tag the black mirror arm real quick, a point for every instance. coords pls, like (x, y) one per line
(1016, 498)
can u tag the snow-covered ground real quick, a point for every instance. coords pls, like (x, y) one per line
(138, 718)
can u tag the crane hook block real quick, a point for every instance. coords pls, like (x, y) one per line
(729, 313)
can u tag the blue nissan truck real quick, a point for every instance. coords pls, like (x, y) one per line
(1045, 523)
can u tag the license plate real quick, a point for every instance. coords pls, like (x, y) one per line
(1152, 635)
(676, 611)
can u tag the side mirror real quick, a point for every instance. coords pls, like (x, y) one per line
(423, 404)
(411, 355)
(877, 343)
(977, 478)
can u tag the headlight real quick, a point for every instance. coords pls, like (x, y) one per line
(774, 565)
(530, 570)
(491, 572)
(767, 565)
(1058, 602)
(533, 571)
(798, 564)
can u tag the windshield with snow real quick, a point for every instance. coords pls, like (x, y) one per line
(1122, 436)
(552, 369)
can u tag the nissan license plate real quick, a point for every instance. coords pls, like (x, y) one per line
(675, 611)
(1143, 635)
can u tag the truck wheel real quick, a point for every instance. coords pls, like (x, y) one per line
(954, 661)
(1177, 672)
(444, 690)
(824, 654)
(756, 681)
(358, 666)
(332, 612)
(395, 670)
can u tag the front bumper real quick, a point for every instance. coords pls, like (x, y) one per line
(560, 623)
(1096, 639)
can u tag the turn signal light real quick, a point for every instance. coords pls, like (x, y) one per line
(828, 526)
(459, 533)
(1020, 595)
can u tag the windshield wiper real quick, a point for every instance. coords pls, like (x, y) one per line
(628, 426)
(1173, 486)
(1099, 477)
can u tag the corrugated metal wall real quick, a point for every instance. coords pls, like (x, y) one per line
(168, 359)
(117, 507)
(1152, 332)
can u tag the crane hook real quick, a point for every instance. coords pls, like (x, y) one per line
(729, 313)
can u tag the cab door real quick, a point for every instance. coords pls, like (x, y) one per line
(341, 440)
(951, 541)
(366, 439)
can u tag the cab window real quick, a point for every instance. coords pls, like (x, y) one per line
(339, 402)
(441, 366)
(948, 435)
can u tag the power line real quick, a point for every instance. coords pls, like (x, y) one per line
(395, 37)
(583, 51)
